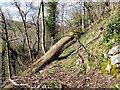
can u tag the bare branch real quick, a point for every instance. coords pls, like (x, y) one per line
(23, 16)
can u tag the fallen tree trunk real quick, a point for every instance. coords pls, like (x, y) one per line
(52, 54)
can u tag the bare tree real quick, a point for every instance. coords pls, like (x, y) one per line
(62, 31)
(24, 20)
(7, 42)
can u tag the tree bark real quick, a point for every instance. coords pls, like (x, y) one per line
(52, 54)
(38, 28)
(43, 28)
(7, 43)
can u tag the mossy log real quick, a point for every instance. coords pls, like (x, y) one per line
(52, 54)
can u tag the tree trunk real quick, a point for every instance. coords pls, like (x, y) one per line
(38, 28)
(52, 54)
(7, 43)
(24, 16)
(43, 28)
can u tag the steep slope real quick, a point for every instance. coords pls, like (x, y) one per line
(82, 68)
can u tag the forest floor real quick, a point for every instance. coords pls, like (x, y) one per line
(66, 73)
(71, 79)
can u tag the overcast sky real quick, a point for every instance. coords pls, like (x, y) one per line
(7, 6)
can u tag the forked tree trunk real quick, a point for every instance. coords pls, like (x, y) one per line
(52, 54)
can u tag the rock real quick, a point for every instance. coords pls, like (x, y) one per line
(115, 59)
(114, 54)
(114, 50)
(105, 55)
(108, 68)
(118, 65)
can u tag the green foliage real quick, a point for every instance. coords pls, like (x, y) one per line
(110, 38)
(112, 31)
(66, 51)
(70, 63)
(51, 18)
(103, 70)
(100, 60)
(116, 87)
(113, 70)
(91, 64)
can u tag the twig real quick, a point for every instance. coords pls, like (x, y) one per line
(112, 77)
(16, 84)
(100, 32)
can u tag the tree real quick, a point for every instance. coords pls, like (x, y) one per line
(24, 20)
(37, 27)
(41, 6)
(43, 28)
(51, 20)
(7, 42)
(52, 54)
(62, 14)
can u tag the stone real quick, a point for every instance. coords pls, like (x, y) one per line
(114, 54)
(114, 50)
(115, 59)
(108, 68)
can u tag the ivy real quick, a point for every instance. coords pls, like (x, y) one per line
(51, 19)
(112, 31)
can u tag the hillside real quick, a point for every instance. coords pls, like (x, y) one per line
(81, 59)
(73, 72)
(81, 69)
